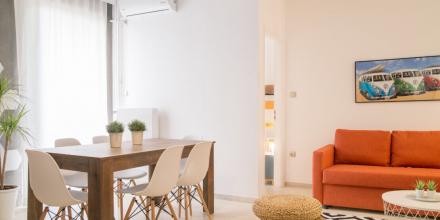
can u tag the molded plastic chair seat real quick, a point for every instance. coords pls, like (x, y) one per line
(195, 170)
(49, 188)
(72, 178)
(129, 174)
(135, 189)
(79, 195)
(160, 185)
(77, 180)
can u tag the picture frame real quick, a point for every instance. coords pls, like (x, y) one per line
(398, 80)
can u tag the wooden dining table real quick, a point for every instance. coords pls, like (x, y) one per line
(100, 161)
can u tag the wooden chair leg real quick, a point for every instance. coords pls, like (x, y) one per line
(185, 192)
(81, 211)
(63, 214)
(153, 209)
(205, 207)
(43, 215)
(120, 198)
(130, 207)
(69, 213)
(170, 206)
(59, 214)
(189, 198)
(179, 200)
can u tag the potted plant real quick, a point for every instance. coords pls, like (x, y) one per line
(10, 125)
(137, 129)
(420, 188)
(431, 185)
(115, 130)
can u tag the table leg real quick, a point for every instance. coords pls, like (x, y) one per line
(100, 189)
(35, 208)
(208, 183)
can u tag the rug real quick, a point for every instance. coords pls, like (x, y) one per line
(330, 216)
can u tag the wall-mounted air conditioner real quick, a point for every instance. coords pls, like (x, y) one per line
(131, 8)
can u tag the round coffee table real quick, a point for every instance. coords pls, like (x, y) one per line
(403, 204)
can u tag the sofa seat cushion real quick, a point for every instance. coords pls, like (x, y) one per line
(378, 177)
(416, 149)
(362, 147)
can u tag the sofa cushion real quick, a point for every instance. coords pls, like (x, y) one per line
(416, 149)
(378, 177)
(362, 147)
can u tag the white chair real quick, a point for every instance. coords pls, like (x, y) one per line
(53, 193)
(195, 170)
(163, 180)
(72, 178)
(183, 161)
(129, 175)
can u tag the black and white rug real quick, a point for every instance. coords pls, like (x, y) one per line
(330, 216)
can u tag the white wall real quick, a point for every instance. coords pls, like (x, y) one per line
(200, 67)
(324, 40)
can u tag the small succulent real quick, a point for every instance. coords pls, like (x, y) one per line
(115, 127)
(136, 125)
(420, 185)
(431, 185)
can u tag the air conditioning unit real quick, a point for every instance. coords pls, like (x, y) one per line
(130, 8)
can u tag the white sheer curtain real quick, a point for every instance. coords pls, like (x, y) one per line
(62, 67)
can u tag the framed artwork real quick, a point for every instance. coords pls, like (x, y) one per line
(398, 80)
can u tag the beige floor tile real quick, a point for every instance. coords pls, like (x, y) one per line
(232, 210)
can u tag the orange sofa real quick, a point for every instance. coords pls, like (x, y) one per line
(361, 165)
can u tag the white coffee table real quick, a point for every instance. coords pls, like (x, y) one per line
(403, 204)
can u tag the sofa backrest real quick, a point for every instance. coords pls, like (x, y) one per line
(362, 147)
(415, 149)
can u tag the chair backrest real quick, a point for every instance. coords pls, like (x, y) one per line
(100, 139)
(166, 173)
(46, 180)
(65, 142)
(196, 165)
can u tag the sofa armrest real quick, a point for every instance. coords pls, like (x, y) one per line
(322, 159)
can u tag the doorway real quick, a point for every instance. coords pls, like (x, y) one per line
(274, 114)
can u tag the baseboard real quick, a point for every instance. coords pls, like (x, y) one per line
(301, 185)
(235, 198)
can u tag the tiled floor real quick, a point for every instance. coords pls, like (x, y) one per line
(232, 210)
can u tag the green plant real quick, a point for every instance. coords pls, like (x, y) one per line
(431, 185)
(136, 125)
(420, 185)
(10, 121)
(115, 127)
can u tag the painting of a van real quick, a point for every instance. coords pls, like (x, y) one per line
(374, 86)
(408, 82)
(397, 80)
(432, 78)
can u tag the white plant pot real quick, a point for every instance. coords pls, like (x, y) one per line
(8, 199)
(115, 140)
(431, 194)
(137, 137)
(420, 193)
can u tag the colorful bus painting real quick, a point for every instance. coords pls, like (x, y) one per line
(408, 82)
(374, 86)
(432, 78)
